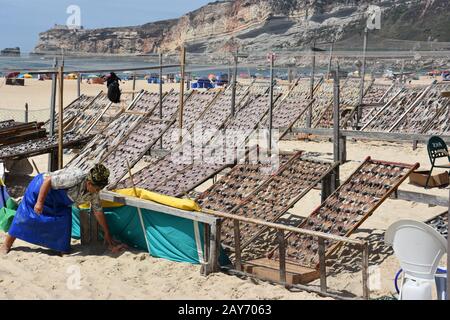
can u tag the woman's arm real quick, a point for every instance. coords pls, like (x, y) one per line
(45, 188)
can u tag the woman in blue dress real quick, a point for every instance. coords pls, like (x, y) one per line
(44, 216)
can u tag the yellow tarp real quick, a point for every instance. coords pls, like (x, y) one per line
(183, 204)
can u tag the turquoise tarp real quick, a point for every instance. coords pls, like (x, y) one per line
(169, 237)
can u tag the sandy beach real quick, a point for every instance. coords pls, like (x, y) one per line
(30, 272)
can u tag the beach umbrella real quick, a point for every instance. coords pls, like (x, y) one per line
(27, 76)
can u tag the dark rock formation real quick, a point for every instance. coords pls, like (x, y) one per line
(10, 52)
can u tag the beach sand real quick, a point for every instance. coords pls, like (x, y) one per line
(32, 272)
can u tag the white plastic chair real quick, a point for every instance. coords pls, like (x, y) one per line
(419, 249)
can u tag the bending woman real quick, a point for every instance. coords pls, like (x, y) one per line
(44, 216)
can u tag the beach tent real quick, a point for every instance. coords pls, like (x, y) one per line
(27, 76)
(166, 236)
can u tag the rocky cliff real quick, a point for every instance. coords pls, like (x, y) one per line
(263, 25)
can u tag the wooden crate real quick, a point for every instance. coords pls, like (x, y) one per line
(268, 269)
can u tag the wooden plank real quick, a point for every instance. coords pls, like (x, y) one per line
(282, 248)
(422, 198)
(150, 205)
(326, 188)
(237, 245)
(365, 271)
(85, 234)
(284, 227)
(269, 270)
(207, 249)
(322, 266)
(214, 246)
(381, 136)
(94, 229)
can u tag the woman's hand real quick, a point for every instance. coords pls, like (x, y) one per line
(113, 245)
(109, 240)
(38, 207)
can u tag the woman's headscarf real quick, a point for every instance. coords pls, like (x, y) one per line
(99, 175)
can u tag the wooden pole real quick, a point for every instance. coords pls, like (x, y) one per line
(322, 266)
(182, 62)
(311, 89)
(134, 85)
(26, 112)
(403, 70)
(336, 124)
(282, 255)
(363, 75)
(60, 116)
(233, 88)
(237, 245)
(214, 246)
(35, 166)
(330, 59)
(160, 94)
(326, 188)
(448, 249)
(365, 271)
(271, 103)
(79, 85)
(52, 158)
(206, 234)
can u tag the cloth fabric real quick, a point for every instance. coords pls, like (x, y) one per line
(52, 228)
(74, 181)
(4, 196)
(7, 214)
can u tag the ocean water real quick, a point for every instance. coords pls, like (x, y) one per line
(33, 62)
(27, 63)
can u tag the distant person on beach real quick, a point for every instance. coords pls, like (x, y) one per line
(112, 83)
(44, 216)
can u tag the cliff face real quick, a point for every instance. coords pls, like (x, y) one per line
(261, 25)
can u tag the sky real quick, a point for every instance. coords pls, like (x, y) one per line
(21, 21)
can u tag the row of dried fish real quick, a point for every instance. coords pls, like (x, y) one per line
(440, 224)
(110, 137)
(40, 146)
(276, 196)
(349, 206)
(413, 110)
(7, 124)
(193, 109)
(140, 139)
